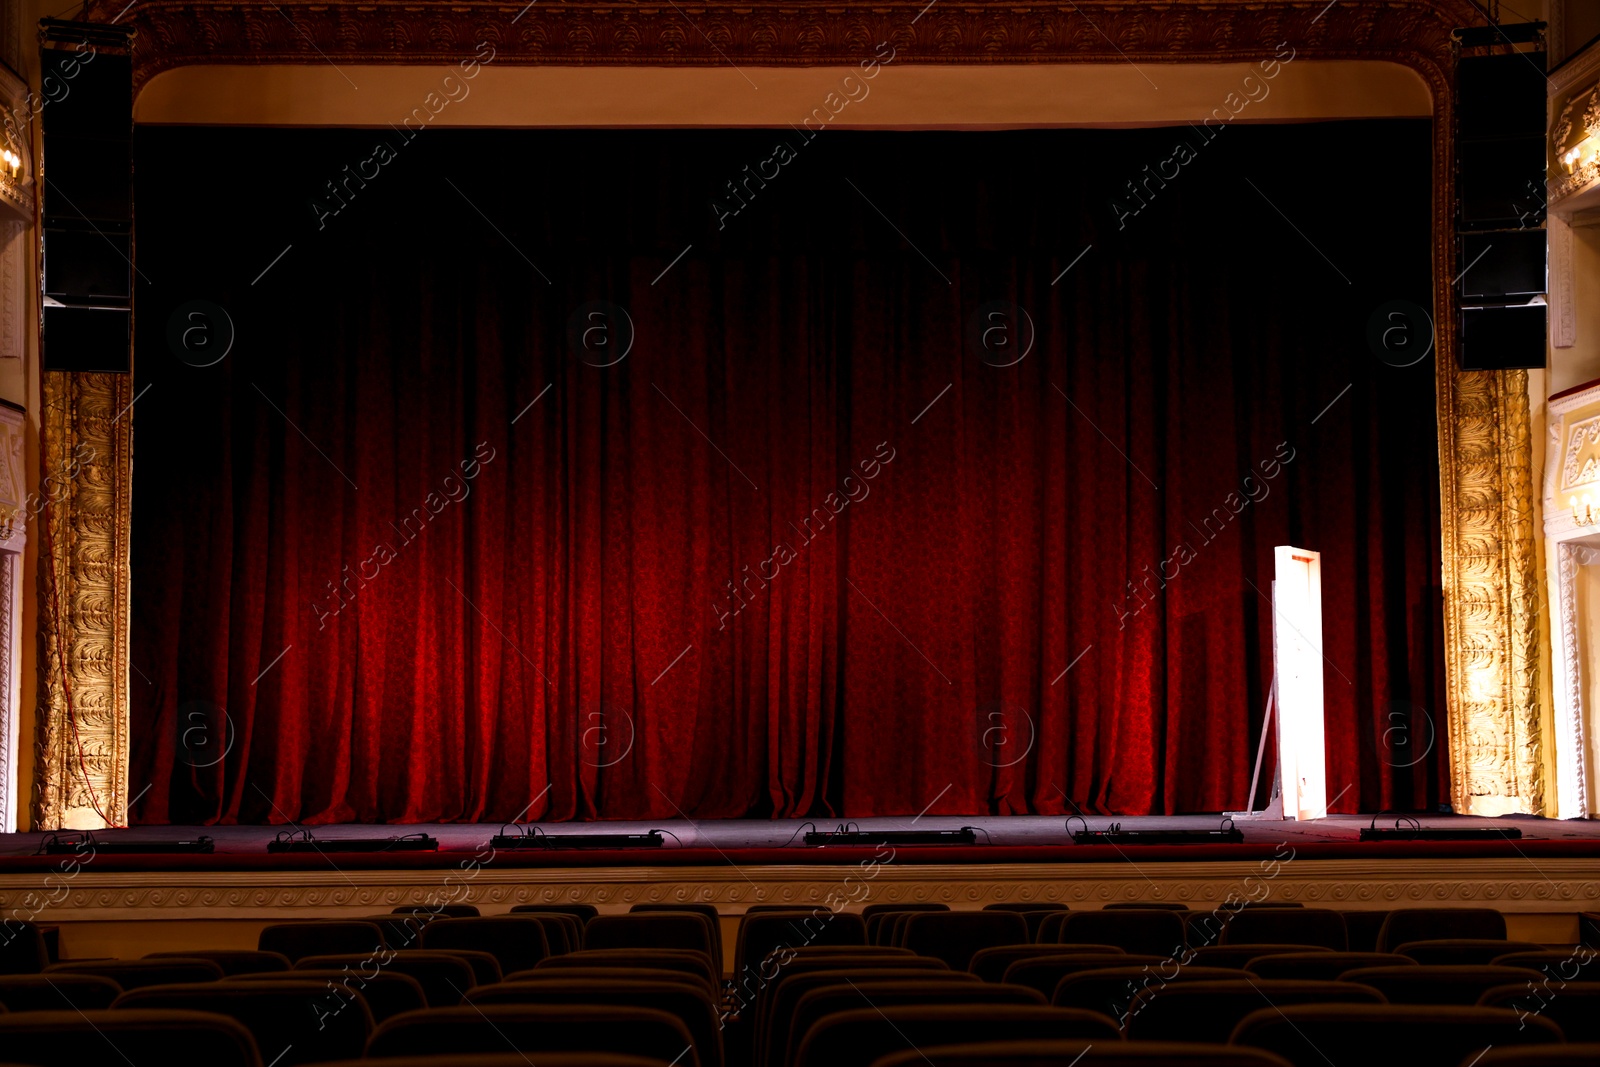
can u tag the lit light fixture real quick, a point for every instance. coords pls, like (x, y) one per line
(12, 161)
(1583, 511)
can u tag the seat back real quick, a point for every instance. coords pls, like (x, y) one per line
(990, 963)
(316, 938)
(386, 991)
(1321, 966)
(1113, 990)
(1288, 926)
(1363, 928)
(1463, 950)
(1044, 973)
(1208, 1011)
(708, 912)
(880, 995)
(1049, 931)
(439, 911)
(22, 948)
(444, 977)
(1435, 924)
(1573, 1006)
(775, 1009)
(131, 974)
(683, 999)
(61, 1038)
(649, 930)
(877, 917)
(955, 936)
(757, 997)
(1145, 931)
(1387, 1035)
(670, 959)
(1235, 955)
(1580, 964)
(1459, 984)
(516, 942)
(298, 1020)
(530, 1028)
(57, 992)
(1033, 914)
(399, 931)
(765, 932)
(232, 961)
(1574, 1055)
(860, 1037)
(582, 912)
(1083, 1054)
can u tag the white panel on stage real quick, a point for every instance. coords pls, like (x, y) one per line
(1297, 651)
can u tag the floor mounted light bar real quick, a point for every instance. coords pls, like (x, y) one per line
(535, 838)
(1226, 834)
(302, 841)
(83, 842)
(841, 837)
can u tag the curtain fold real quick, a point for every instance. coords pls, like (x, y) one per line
(933, 481)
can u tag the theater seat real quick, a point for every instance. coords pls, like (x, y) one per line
(386, 991)
(582, 912)
(1049, 930)
(878, 918)
(1208, 1011)
(292, 1021)
(1434, 924)
(1033, 914)
(131, 974)
(1322, 966)
(680, 997)
(318, 938)
(955, 936)
(1240, 956)
(1112, 991)
(1439, 984)
(1580, 963)
(775, 1007)
(400, 931)
(22, 948)
(708, 912)
(649, 930)
(142, 1038)
(1145, 931)
(232, 961)
(1363, 928)
(1044, 973)
(990, 963)
(1574, 1055)
(880, 994)
(1287, 926)
(762, 933)
(691, 961)
(1387, 1035)
(531, 1028)
(1573, 1006)
(517, 943)
(1083, 1054)
(861, 1037)
(1463, 950)
(441, 911)
(512, 1059)
(57, 992)
(444, 976)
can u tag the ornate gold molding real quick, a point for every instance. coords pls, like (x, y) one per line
(1490, 580)
(81, 743)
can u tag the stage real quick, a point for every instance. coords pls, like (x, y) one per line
(112, 903)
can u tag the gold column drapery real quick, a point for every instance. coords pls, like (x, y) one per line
(81, 747)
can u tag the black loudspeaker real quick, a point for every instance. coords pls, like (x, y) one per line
(1501, 244)
(86, 76)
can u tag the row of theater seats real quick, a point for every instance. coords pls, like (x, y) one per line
(892, 986)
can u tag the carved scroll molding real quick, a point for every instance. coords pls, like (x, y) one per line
(1557, 884)
(1490, 583)
(81, 750)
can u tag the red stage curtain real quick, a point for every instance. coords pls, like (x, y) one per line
(815, 545)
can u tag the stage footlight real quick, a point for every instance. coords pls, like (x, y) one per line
(302, 841)
(84, 842)
(535, 838)
(1225, 834)
(1408, 829)
(843, 836)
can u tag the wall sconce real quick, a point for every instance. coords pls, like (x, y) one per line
(1583, 511)
(12, 161)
